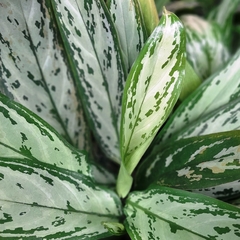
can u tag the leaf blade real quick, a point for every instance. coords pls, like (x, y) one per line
(193, 163)
(37, 65)
(95, 57)
(180, 214)
(151, 91)
(133, 34)
(62, 203)
(21, 131)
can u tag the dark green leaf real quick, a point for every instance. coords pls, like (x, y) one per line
(165, 213)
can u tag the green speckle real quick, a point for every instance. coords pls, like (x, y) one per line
(222, 230)
(149, 113)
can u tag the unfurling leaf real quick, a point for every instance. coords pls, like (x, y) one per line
(152, 88)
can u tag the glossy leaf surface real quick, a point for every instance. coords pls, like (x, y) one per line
(41, 201)
(165, 213)
(24, 135)
(93, 51)
(225, 118)
(34, 70)
(131, 31)
(152, 88)
(218, 90)
(192, 163)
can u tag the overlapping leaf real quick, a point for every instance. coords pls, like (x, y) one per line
(33, 68)
(192, 163)
(24, 135)
(131, 31)
(224, 191)
(214, 93)
(222, 14)
(152, 88)
(225, 118)
(150, 14)
(165, 213)
(38, 200)
(206, 50)
(93, 51)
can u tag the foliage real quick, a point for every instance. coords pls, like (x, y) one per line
(115, 124)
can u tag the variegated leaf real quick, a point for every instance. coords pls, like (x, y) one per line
(152, 88)
(192, 163)
(225, 118)
(222, 14)
(39, 201)
(127, 18)
(206, 50)
(165, 213)
(236, 202)
(217, 91)
(24, 135)
(224, 191)
(93, 50)
(33, 68)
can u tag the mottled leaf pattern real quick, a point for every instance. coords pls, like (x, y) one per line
(131, 30)
(93, 51)
(24, 135)
(225, 118)
(38, 200)
(152, 88)
(214, 93)
(223, 191)
(165, 213)
(33, 68)
(192, 163)
(206, 51)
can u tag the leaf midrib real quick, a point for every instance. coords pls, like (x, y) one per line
(59, 119)
(62, 209)
(147, 212)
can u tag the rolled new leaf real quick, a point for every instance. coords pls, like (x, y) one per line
(165, 213)
(152, 88)
(150, 14)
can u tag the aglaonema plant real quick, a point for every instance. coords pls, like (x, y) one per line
(102, 134)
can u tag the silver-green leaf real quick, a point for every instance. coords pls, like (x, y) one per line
(93, 50)
(131, 30)
(34, 69)
(206, 50)
(220, 89)
(39, 201)
(165, 213)
(152, 88)
(26, 136)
